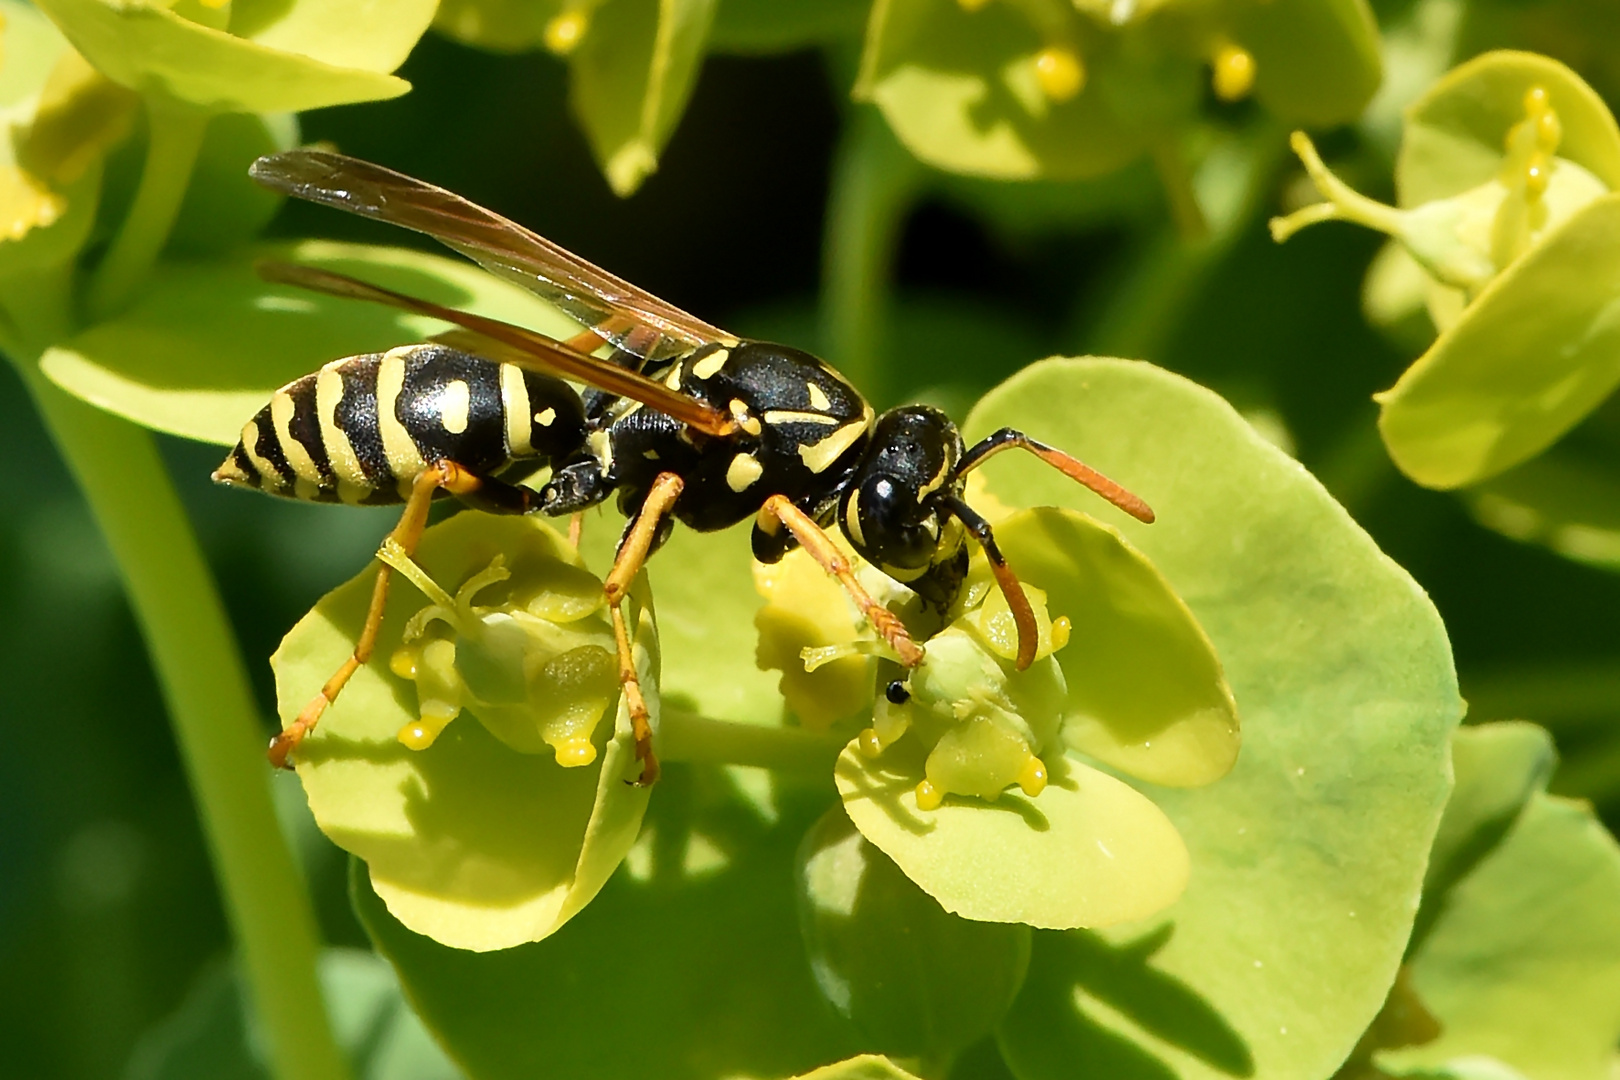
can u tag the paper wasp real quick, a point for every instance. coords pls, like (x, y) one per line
(683, 420)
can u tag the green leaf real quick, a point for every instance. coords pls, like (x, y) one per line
(1146, 693)
(467, 841)
(960, 91)
(1524, 963)
(1315, 61)
(1088, 851)
(863, 1067)
(688, 966)
(32, 44)
(343, 33)
(630, 80)
(499, 25)
(1309, 856)
(918, 981)
(214, 1033)
(223, 207)
(1499, 767)
(1536, 351)
(154, 50)
(706, 604)
(771, 26)
(1453, 140)
(206, 344)
(1565, 501)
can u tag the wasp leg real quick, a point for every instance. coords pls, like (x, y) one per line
(820, 546)
(1073, 468)
(1023, 615)
(454, 479)
(636, 545)
(576, 527)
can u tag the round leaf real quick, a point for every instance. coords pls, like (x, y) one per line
(631, 77)
(1453, 140)
(959, 89)
(1536, 351)
(223, 207)
(1523, 964)
(152, 49)
(1088, 851)
(688, 966)
(1315, 61)
(343, 33)
(1146, 694)
(206, 343)
(863, 1067)
(1309, 855)
(467, 841)
(918, 981)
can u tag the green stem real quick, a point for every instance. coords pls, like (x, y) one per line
(685, 736)
(216, 723)
(174, 137)
(874, 183)
(1177, 178)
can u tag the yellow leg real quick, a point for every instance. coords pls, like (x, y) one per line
(813, 539)
(447, 475)
(666, 489)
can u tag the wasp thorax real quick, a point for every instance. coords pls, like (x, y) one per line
(524, 648)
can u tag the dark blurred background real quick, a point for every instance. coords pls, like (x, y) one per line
(107, 905)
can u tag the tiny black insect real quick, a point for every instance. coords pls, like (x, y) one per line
(683, 420)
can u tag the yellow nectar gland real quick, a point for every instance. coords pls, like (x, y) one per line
(1032, 777)
(1233, 75)
(1062, 627)
(1059, 72)
(421, 734)
(929, 797)
(869, 744)
(403, 664)
(564, 32)
(576, 752)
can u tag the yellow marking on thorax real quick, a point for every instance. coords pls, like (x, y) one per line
(404, 456)
(743, 471)
(673, 378)
(795, 416)
(820, 455)
(515, 408)
(546, 416)
(455, 402)
(852, 518)
(744, 419)
(268, 473)
(601, 448)
(710, 365)
(353, 484)
(282, 408)
(818, 397)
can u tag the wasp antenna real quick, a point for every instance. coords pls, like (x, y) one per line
(1073, 468)
(1017, 600)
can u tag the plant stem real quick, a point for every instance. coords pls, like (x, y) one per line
(686, 736)
(174, 137)
(1177, 178)
(874, 182)
(216, 723)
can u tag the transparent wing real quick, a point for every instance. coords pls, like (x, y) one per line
(618, 312)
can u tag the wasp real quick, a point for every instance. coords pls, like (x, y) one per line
(678, 418)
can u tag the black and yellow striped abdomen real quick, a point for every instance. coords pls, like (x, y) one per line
(361, 429)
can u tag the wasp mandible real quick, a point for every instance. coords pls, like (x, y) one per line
(684, 421)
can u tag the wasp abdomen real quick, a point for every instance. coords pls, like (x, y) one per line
(362, 429)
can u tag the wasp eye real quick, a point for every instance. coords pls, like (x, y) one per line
(897, 693)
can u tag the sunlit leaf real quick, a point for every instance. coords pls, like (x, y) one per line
(1309, 855)
(223, 207)
(1536, 351)
(152, 49)
(919, 982)
(631, 77)
(467, 840)
(689, 965)
(343, 33)
(1088, 851)
(206, 343)
(864, 1067)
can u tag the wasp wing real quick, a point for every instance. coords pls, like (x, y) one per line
(618, 312)
(513, 344)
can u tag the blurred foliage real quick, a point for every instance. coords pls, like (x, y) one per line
(837, 174)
